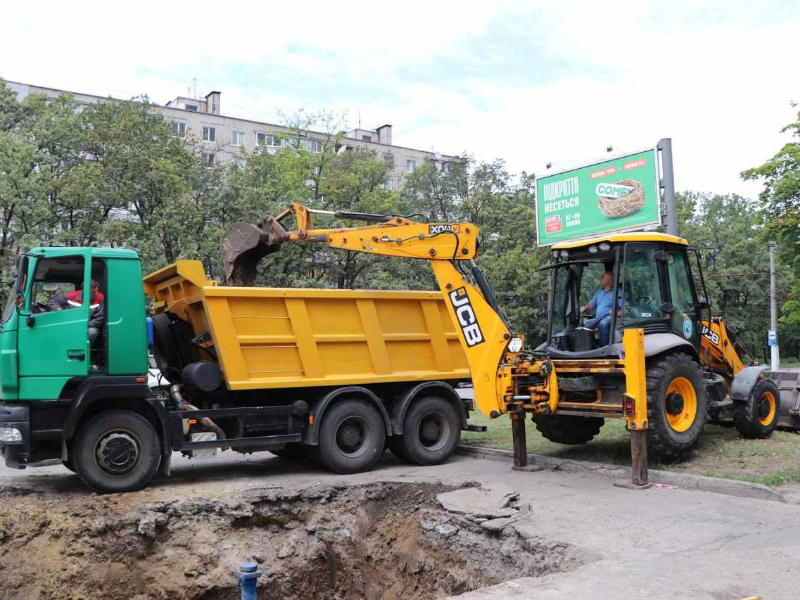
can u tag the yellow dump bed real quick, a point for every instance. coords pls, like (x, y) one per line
(269, 338)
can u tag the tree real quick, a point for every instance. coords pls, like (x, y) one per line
(728, 228)
(503, 209)
(780, 215)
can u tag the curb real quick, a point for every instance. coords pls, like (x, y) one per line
(716, 485)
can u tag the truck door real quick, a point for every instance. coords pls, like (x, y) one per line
(53, 343)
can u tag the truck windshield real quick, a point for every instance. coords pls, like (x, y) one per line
(16, 288)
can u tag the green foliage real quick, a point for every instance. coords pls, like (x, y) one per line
(780, 206)
(728, 227)
(503, 209)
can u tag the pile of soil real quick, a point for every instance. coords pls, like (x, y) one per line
(382, 540)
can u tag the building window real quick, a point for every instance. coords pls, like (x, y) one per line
(180, 128)
(411, 164)
(237, 138)
(191, 107)
(208, 158)
(311, 145)
(366, 138)
(268, 139)
(209, 134)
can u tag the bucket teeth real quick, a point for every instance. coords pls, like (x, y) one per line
(244, 245)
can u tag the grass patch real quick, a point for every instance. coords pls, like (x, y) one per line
(721, 452)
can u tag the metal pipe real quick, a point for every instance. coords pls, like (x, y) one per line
(668, 185)
(184, 405)
(775, 355)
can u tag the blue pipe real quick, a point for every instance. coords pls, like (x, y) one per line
(248, 579)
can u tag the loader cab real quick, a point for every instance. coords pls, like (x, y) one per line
(648, 284)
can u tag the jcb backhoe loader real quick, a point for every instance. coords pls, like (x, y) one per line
(667, 364)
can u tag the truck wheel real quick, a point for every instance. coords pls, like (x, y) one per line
(117, 451)
(758, 417)
(568, 429)
(676, 405)
(351, 437)
(431, 432)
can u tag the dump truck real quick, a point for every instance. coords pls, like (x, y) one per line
(337, 374)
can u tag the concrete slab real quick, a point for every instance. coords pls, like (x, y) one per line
(491, 501)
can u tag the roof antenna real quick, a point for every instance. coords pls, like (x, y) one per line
(195, 88)
(359, 118)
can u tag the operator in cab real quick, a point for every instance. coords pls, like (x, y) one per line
(601, 303)
(74, 299)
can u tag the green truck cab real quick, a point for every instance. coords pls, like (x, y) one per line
(52, 379)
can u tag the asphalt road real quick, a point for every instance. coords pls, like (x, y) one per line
(658, 543)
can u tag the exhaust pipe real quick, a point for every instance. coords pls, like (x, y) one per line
(184, 405)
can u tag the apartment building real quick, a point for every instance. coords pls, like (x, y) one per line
(225, 139)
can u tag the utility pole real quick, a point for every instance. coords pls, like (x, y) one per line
(775, 355)
(668, 185)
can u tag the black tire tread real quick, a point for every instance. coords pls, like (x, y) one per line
(745, 414)
(330, 461)
(660, 443)
(568, 429)
(151, 452)
(406, 446)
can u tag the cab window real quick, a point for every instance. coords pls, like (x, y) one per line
(641, 292)
(684, 316)
(55, 283)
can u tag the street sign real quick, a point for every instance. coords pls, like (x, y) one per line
(772, 338)
(621, 194)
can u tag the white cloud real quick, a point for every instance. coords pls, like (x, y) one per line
(717, 78)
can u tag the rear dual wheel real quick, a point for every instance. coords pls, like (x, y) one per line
(431, 432)
(351, 437)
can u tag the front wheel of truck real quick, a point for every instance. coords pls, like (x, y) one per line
(117, 451)
(351, 437)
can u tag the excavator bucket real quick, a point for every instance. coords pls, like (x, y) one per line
(244, 245)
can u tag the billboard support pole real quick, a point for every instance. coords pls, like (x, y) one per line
(668, 185)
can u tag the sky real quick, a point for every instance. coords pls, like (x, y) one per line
(527, 82)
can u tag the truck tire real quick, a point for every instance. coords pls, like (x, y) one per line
(431, 432)
(568, 429)
(117, 451)
(758, 417)
(351, 437)
(676, 405)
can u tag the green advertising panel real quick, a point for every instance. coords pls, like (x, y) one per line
(618, 194)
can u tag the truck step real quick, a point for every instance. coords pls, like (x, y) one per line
(264, 440)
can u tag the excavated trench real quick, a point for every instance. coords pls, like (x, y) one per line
(383, 540)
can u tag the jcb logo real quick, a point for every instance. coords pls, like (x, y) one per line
(466, 317)
(441, 228)
(710, 335)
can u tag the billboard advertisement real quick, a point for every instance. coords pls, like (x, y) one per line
(620, 194)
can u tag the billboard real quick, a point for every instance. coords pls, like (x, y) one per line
(620, 194)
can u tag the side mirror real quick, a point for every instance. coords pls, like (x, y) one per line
(20, 302)
(667, 308)
(703, 303)
(30, 320)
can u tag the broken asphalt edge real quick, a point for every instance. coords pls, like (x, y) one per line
(731, 487)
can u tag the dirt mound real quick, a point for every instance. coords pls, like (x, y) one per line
(384, 540)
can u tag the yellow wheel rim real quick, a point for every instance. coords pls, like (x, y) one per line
(770, 399)
(680, 389)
